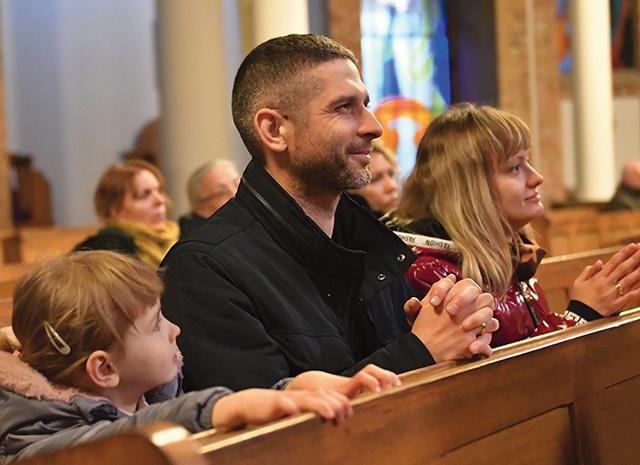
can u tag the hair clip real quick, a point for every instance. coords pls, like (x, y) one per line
(56, 340)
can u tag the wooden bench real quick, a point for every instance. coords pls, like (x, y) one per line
(586, 227)
(41, 243)
(6, 309)
(568, 397)
(557, 274)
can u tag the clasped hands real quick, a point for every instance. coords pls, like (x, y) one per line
(612, 287)
(454, 320)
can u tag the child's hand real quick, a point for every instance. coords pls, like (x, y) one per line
(371, 377)
(257, 406)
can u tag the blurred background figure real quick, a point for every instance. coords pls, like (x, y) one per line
(209, 187)
(131, 201)
(627, 197)
(380, 196)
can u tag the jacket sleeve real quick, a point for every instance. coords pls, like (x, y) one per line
(406, 354)
(427, 270)
(192, 411)
(223, 341)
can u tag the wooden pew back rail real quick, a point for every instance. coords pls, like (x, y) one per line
(568, 397)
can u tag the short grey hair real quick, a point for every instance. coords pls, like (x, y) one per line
(194, 190)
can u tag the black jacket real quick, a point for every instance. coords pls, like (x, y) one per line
(261, 293)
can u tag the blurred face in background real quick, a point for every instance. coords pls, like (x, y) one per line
(145, 202)
(217, 187)
(382, 192)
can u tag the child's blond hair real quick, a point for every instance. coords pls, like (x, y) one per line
(68, 307)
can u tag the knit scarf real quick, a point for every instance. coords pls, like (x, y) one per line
(153, 242)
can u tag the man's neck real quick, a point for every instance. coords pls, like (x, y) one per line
(319, 204)
(321, 210)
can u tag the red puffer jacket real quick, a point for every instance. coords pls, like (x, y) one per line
(524, 301)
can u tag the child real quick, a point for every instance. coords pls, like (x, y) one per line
(90, 341)
(466, 209)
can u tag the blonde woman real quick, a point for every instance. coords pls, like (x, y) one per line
(466, 209)
(381, 195)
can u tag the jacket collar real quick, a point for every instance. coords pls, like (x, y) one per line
(359, 238)
(18, 377)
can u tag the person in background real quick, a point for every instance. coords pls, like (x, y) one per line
(466, 209)
(131, 201)
(627, 196)
(291, 274)
(209, 187)
(381, 195)
(90, 340)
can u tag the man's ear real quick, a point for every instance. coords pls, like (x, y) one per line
(101, 370)
(272, 129)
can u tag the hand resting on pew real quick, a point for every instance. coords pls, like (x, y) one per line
(612, 287)
(316, 391)
(89, 341)
(454, 320)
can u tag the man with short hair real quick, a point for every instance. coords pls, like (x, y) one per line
(291, 275)
(209, 187)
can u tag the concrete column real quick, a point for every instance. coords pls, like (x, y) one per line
(199, 49)
(593, 99)
(274, 18)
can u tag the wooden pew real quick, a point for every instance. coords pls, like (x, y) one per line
(618, 227)
(584, 227)
(10, 274)
(569, 230)
(557, 274)
(41, 243)
(568, 397)
(158, 444)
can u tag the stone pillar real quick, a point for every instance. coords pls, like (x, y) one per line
(274, 18)
(199, 50)
(593, 99)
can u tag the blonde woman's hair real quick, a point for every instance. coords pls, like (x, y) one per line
(453, 182)
(89, 299)
(383, 150)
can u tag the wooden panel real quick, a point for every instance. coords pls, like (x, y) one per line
(550, 432)
(585, 227)
(48, 242)
(6, 308)
(557, 274)
(159, 444)
(609, 423)
(442, 409)
(10, 274)
(569, 230)
(619, 227)
(568, 397)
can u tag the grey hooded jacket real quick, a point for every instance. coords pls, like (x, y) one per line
(36, 416)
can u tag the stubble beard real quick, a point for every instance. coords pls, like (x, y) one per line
(332, 172)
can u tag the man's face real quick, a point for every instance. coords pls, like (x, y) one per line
(332, 138)
(217, 187)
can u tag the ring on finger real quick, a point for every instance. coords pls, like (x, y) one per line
(619, 288)
(483, 329)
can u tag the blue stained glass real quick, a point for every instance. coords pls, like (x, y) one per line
(405, 63)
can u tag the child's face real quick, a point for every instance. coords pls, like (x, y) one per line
(151, 356)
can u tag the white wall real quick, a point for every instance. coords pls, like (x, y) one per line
(626, 133)
(80, 82)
